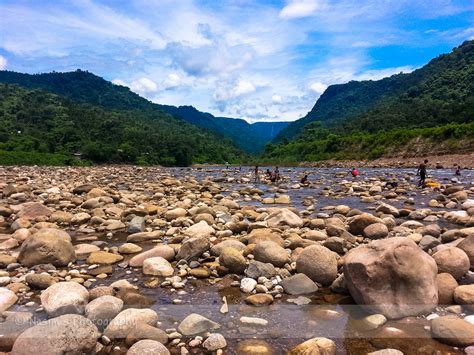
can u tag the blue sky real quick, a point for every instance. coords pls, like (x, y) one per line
(257, 60)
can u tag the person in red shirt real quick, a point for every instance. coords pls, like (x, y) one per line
(354, 172)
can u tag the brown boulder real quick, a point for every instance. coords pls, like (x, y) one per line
(46, 248)
(32, 210)
(393, 277)
(467, 245)
(270, 252)
(452, 331)
(358, 223)
(446, 286)
(464, 295)
(318, 263)
(453, 260)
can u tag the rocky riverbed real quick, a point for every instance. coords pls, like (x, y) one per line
(203, 260)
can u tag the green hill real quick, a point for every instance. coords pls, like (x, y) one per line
(50, 128)
(363, 119)
(84, 87)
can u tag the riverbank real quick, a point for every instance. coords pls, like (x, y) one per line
(445, 161)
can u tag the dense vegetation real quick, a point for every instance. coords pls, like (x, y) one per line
(51, 128)
(319, 143)
(84, 87)
(368, 119)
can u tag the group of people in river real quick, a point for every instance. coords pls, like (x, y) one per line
(270, 176)
(275, 177)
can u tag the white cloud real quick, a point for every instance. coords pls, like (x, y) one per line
(3, 63)
(277, 99)
(318, 88)
(172, 80)
(226, 91)
(244, 87)
(143, 85)
(300, 8)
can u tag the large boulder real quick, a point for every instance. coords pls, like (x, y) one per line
(376, 231)
(193, 248)
(144, 331)
(453, 331)
(32, 210)
(148, 346)
(358, 223)
(393, 277)
(256, 269)
(467, 245)
(7, 299)
(127, 320)
(67, 334)
(157, 266)
(388, 209)
(195, 324)
(453, 260)
(284, 217)
(264, 234)
(446, 286)
(217, 249)
(164, 251)
(299, 284)
(46, 248)
(318, 263)
(233, 260)
(200, 230)
(175, 213)
(104, 258)
(270, 252)
(103, 309)
(315, 346)
(64, 297)
(464, 295)
(39, 281)
(14, 324)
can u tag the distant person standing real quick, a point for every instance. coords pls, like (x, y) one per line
(458, 170)
(256, 172)
(277, 174)
(422, 173)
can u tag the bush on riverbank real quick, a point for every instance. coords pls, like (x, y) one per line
(35, 158)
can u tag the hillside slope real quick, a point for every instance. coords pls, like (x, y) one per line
(430, 110)
(85, 87)
(45, 124)
(438, 93)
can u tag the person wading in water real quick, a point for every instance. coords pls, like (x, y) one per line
(257, 177)
(422, 173)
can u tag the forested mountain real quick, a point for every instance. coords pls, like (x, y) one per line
(37, 126)
(250, 137)
(85, 87)
(438, 93)
(368, 119)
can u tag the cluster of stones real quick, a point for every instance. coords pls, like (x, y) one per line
(394, 262)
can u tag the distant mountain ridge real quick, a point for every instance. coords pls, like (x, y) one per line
(440, 92)
(84, 87)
